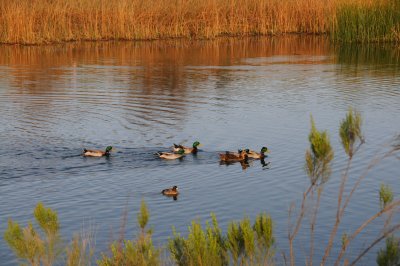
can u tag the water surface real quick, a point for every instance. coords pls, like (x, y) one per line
(140, 97)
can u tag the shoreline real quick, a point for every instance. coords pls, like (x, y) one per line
(166, 39)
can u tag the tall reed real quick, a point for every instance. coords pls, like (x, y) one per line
(378, 21)
(46, 21)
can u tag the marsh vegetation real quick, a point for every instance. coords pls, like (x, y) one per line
(45, 21)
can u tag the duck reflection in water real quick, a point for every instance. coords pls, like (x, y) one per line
(264, 165)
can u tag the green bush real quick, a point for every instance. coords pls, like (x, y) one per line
(390, 255)
(137, 252)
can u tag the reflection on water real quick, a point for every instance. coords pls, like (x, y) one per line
(140, 97)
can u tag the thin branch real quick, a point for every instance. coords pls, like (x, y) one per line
(312, 227)
(388, 208)
(384, 235)
(339, 213)
(292, 235)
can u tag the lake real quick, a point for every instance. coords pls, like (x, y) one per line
(229, 93)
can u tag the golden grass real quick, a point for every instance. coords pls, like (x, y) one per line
(46, 21)
(49, 21)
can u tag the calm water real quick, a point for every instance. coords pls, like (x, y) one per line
(230, 93)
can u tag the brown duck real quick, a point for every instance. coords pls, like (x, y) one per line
(170, 191)
(229, 156)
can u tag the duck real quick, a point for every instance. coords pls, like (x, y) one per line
(97, 153)
(170, 155)
(173, 191)
(187, 150)
(255, 155)
(229, 156)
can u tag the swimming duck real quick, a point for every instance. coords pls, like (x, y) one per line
(187, 150)
(170, 155)
(97, 153)
(233, 156)
(170, 191)
(256, 155)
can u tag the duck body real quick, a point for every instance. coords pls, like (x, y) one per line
(97, 153)
(229, 156)
(187, 150)
(257, 155)
(170, 191)
(170, 155)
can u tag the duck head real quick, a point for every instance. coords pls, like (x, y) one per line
(108, 149)
(264, 149)
(196, 144)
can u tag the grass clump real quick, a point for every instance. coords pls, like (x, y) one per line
(390, 255)
(244, 243)
(385, 195)
(376, 21)
(139, 251)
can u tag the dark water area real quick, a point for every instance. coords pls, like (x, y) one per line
(141, 97)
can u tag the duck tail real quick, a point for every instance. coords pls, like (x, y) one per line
(85, 150)
(176, 146)
(158, 153)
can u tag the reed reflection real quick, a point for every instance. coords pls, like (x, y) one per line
(145, 83)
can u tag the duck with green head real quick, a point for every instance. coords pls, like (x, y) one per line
(170, 155)
(255, 155)
(97, 153)
(187, 150)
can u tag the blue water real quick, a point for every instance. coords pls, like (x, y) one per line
(228, 94)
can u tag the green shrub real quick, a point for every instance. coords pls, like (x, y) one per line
(390, 255)
(29, 245)
(137, 252)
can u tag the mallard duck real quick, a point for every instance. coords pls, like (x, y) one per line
(187, 150)
(170, 155)
(170, 191)
(256, 155)
(233, 156)
(97, 153)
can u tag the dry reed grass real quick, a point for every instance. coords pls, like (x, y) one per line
(49, 21)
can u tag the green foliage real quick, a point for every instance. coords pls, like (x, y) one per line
(264, 231)
(235, 241)
(27, 243)
(345, 238)
(143, 216)
(390, 255)
(47, 219)
(248, 237)
(177, 248)
(78, 253)
(385, 195)
(202, 247)
(319, 156)
(377, 22)
(350, 131)
(137, 252)
(244, 243)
